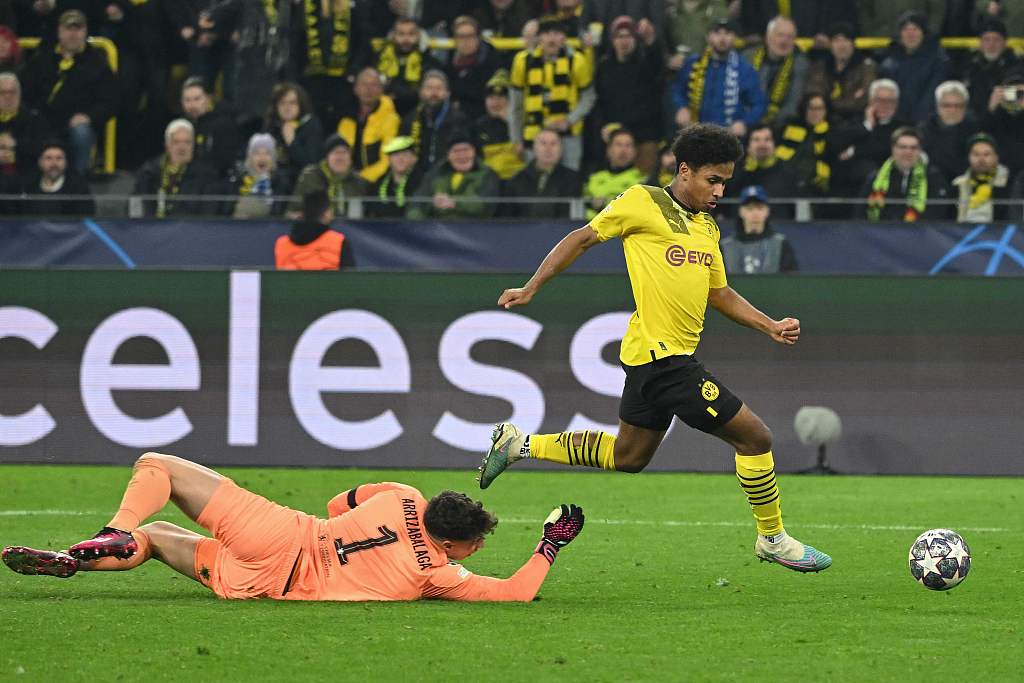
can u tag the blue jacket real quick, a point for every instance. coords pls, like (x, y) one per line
(752, 100)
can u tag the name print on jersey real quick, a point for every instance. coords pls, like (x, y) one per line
(678, 256)
(412, 526)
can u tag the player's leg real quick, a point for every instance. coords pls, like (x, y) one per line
(156, 478)
(169, 543)
(755, 471)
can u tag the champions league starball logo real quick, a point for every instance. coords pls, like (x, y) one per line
(678, 256)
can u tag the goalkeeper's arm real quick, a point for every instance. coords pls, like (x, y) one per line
(454, 582)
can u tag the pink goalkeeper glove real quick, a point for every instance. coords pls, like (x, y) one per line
(562, 525)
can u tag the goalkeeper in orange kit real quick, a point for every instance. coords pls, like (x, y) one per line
(380, 541)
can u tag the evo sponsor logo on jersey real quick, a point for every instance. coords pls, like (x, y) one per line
(678, 256)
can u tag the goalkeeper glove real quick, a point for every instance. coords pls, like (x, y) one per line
(562, 525)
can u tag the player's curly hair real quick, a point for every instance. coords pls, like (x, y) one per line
(703, 144)
(455, 516)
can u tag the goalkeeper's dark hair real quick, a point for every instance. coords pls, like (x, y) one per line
(454, 516)
(704, 144)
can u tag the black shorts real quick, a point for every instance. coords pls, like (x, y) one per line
(676, 385)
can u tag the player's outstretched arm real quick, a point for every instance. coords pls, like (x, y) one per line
(729, 303)
(570, 248)
(454, 582)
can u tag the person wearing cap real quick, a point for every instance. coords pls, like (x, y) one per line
(311, 243)
(718, 86)
(904, 187)
(989, 64)
(781, 67)
(469, 66)
(491, 130)
(947, 131)
(545, 176)
(459, 187)
(218, 143)
(392, 191)
(52, 182)
(984, 180)
(73, 87)
(755, 248)
(173, 183)
(917, 63)
(843, 75)
(629, 86)
(552, 87)
(402, 61)
(257, 181)
(369, 125)
(334, 174)
(433, 120)
(620, 173)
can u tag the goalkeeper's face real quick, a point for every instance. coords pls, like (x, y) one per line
(460, 550)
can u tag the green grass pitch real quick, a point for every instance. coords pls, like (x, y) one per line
(662, 585)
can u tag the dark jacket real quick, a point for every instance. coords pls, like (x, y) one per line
(853, 80)
(918, 74)
(29, 131)
(306, 148)
(562, 182)
(89, 87)
(981, 76)
(947, 145)
(895, 199)
(39, 203)
(1008, 129)
(778, 180)
(468, 82)
(199, 179)
(630, 92)
(431, 129)
(392, 196)
(218, 143)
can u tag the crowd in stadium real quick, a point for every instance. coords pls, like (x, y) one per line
(422, 108)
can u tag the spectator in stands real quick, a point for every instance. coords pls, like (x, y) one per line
(755, 248)
(667, 167)
(334, 174)
(330, 44)
(984, 180)
(805, 146)
(491, 130)
(989, 65)
(629, 87)
(544, 176)
(762, 166)
(811, 17)
(297, 130)
(26, 129)
(73, 88)
(402, 61)
(1010, 12)
(552, 88)
(781, 69)
(470, 65)
(458, 187)
(917, 63)
(397, 185)
(647, 15)
(620, 174)
(175, 173)
(37, 18)
(432, 121)
(688, 24)
(257, 181)
(47, 189)
(947, 131)
(902, 189)
(311, 244)
(503, 18)
(843, 75)
(876, 18)
(372, 124)
(865, 145)
(1004, 119)
(573, 15)
(217, 141)
(10, 49)
(718, 85)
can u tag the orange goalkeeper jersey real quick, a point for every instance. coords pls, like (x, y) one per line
(374, 547)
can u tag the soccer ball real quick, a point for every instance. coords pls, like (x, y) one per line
(940, 559)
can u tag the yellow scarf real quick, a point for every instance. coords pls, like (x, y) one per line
(171, 176)
(696, 83)
(335, 62)
(981, 189)
(549, 93)
(390, 64)
(63, 67)
(779, 87)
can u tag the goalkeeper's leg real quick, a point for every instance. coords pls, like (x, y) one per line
(755, 471)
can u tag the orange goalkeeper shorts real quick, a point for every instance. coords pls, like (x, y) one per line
(255, 544)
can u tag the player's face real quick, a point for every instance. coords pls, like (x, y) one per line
(983, 158)
(180, 147)
(702, 188)
(407, 36)
(194, 102)
(460, 550)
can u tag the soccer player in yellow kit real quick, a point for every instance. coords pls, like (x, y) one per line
(675, 269)
(380, 542)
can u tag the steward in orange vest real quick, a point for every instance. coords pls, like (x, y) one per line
(311, 244)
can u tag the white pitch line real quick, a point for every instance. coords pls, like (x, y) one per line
(677, 523)
(610, 522)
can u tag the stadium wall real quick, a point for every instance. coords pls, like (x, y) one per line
(821, 247)
(411, 370)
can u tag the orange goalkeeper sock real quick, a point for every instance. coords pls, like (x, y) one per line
(147, 493)
(113, 564)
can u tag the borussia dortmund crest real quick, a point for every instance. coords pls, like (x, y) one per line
(709, 390)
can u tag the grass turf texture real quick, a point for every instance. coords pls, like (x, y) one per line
(661, 585)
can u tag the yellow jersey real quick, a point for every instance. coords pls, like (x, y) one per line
(673, 260)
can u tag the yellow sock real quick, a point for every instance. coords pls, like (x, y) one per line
(591, 449)
(756, 474)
